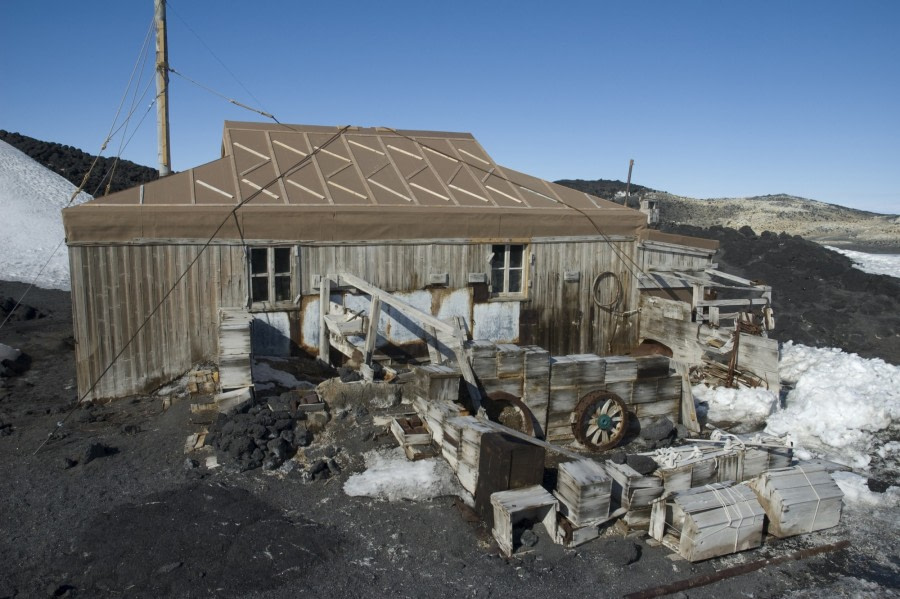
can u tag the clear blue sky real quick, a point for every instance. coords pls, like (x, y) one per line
(710, 99)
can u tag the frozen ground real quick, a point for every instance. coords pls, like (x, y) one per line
(876, 264)
(31, 198)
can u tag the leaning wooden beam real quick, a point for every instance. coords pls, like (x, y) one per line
(398, 303)
(705, 579)
(372, 332)
(533, 440)
(730, 277)
(324, 306)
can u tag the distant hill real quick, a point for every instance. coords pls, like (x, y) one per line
(780, 213)
(73, 163)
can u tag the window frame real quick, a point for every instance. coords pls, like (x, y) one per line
(272, 275)
(505, 293)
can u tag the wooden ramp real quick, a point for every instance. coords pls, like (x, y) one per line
(234, 349)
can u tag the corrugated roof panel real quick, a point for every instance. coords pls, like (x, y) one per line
(304, 186)
(263, 184)
(439, 154)
(388, 188)
(503, 192)
(532, 189)
(468, 190)
(214, 184)
(405, 154)
(346, 188)
(429, 190)
(290, 149)
(250, 150)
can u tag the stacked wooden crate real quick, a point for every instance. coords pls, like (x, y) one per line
(536, 386)
(798, 500)
(469, 450)
(635, 492)
(571, 378)
(708, 521)
(505, 462)
(656, 391)
(436, 413)
(583, 489)
(690, 466)
(437, 382)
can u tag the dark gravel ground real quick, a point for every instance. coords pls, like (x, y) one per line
(139, 522)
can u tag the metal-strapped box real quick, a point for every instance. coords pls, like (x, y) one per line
(799, 499)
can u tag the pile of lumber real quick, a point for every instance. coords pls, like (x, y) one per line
(798, 500)
(708, 521)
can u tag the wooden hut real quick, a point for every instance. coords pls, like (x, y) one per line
(427, 216)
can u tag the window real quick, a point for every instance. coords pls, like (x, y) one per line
(508, 270)
(270, 274)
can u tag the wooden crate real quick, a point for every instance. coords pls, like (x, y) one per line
(516, 509)
(798, 499)
(505, 462)
(630, 489)
(709, 521)
(584, 489)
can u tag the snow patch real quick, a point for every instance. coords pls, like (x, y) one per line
(389, 475)
(31, 198)
(747, 409)
(857, 493)
(876, 264)
(841, 406)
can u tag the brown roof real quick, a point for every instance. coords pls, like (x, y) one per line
(302, 182)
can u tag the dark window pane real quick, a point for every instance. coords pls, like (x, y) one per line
(497, 280)
(282, 288)
(516, 252)
(515, 281)
(259, 260)
(260, 289)
(499, 257)
(282, 260)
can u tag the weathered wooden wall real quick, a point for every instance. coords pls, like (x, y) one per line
(115, 289)
(668, 257)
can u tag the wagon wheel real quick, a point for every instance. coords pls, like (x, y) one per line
(600, 420)
(509, 410)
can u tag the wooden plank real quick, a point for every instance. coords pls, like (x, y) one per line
(324, 336)
(372, 332)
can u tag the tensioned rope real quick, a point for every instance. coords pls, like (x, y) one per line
(503, 177)
(231, 214)
(112, 132)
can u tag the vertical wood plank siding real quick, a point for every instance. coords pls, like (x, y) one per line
(114, 288)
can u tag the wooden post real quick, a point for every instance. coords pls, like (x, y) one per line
(433, 353)
(324, 308)
(372, 332)
(162, 89)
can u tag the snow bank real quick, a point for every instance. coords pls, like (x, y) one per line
(841, 406)
(389, 475)
(746, 410)
(857, 493)
(31, 198)
(876, 264)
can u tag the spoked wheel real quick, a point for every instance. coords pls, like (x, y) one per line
(600, 420)
(509, 410)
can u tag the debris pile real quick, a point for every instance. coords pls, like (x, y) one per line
(266, 434)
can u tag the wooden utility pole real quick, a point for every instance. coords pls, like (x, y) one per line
(628, 183)
(162, 89)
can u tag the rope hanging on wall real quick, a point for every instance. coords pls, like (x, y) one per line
(596, 291)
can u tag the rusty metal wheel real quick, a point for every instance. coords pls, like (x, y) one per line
(600, 420)
(509, 410)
